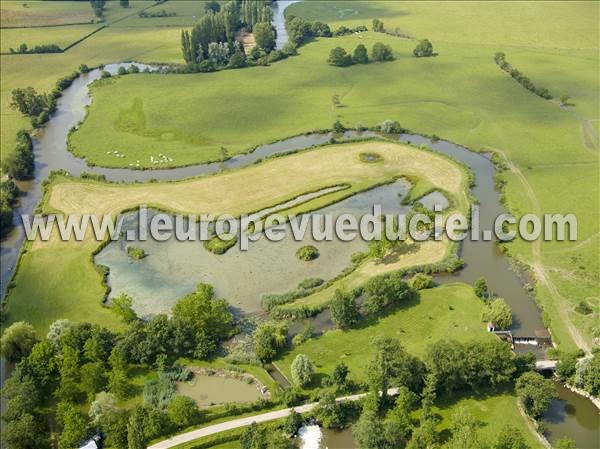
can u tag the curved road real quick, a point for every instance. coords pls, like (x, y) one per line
(242, 422)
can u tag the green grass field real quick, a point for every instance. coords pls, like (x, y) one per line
(448, 311)
(115, 43)
(40, 13)
(62, 36)
(492, 410)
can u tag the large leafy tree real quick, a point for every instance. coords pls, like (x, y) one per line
(392, 366)
(535, 393)
(343, 308)
(17, 341)
(264, 35)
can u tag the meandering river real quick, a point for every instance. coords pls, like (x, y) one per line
(571, 415)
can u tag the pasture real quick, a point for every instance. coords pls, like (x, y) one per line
(460, 95)
(44, 13)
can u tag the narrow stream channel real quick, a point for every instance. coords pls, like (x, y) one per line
(572, 415)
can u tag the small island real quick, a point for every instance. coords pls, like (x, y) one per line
(307, 253)
(135, 252)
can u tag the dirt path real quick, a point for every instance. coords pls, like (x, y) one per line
(537, 265)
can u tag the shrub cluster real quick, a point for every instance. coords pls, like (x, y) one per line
(304, 288)
(43, 48)
(307, 253)
(135, 252)
(161, 13)
(39, 106)
(378, 27)
(379, 53)
(500, 59)
(300, 30)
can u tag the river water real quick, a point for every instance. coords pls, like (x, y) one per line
(570, 415)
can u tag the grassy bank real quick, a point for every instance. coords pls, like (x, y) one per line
(448, 311)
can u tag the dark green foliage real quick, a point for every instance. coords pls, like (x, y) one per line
(83, 68)
(8, 196)
(135, 252)
(93, 378)
(481, 288)
(264, 35)
(510, 438)
(498, 313)
(344, 310)
(302, 369)
(383, 291)
(360, 55)
(339, 57)
(269, 339)
(122, 305)
(212, 6)
(338, 127)
(472, 364)
(369, 430)
(584, 308)
(423, 49)
(329, 413)
(183, 412)
(421, 281)
(17, 341)
(25, 432)
(343, 30)
(340, 375)
(156, 14)
(43, 48)
(381, 52)
(378, 26)
(73, 426)
(391, 365)
(237, 61)
(303, 289)
(566, 366)
(587, 375)
(122, 71)
(28, 102)
(124, 3)
(105, 74)
(200, 320)
(254, 12)
(500, 59)
(391, 127)
(535, 393)
(306, 253)
(292, 423)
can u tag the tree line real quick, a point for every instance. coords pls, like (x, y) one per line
(42, 48)
(211, 43)
(500, 59)
(380, 52)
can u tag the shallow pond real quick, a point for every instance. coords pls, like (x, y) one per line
(173, 268)
(210, 390)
